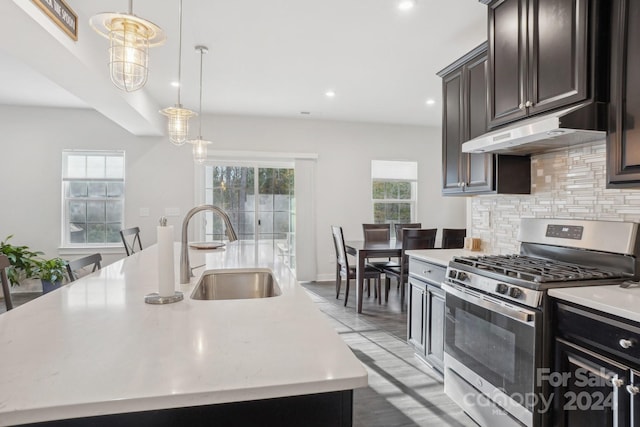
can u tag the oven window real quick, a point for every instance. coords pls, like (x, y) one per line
(491, 346)
(494, 346)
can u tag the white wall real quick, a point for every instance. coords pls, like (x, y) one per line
(160, 175)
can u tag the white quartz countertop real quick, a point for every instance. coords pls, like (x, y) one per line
(94, 347)
(441, 256)
(623, 302)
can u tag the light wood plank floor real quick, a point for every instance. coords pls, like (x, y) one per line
(403, 391)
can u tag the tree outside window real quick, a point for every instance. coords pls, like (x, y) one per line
(92, 198)
(394, 192)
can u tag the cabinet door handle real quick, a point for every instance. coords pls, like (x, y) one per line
(528, 104)
(633, 390)
(426, 271)
(624, 343)
(521, 106)
(617, 382)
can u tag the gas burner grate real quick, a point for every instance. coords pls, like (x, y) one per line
(533, 269)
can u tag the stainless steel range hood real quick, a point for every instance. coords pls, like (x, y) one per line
(579, 124)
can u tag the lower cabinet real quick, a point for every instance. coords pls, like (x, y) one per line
(311, 410)
(596, 376)
(425, 317)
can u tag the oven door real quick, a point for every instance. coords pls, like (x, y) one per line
(490, 344)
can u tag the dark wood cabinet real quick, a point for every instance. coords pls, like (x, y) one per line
(543, 55)
(623, 139)
(595, 379)
(593, 391)
(464, 117)
(425, 318)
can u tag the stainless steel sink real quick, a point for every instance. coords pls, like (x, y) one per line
(236, 284)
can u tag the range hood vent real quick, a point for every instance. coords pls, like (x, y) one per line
(579, 124)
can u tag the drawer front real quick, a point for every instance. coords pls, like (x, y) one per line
(432, 273)
(598, 331)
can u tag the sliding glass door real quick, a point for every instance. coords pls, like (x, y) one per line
(261, 203)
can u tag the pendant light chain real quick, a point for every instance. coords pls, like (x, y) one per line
(179, 51)
(200, 107)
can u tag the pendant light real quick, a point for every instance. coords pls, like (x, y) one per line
(178, 117)
(199, 144)
(130, 38)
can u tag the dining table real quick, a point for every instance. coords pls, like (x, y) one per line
(361, 250)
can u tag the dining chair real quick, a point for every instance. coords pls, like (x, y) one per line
(6, 293)
(453, 238)
(412, 238)
(378, 233)
(399, 227)
(80, 263)
(131, 244)
(343, 269)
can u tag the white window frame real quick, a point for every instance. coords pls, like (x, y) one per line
(66, 178)
(395, 171)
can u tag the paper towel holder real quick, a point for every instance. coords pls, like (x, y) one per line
(155, 298)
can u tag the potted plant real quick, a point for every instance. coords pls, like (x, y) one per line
(23, 261)
(51, 272)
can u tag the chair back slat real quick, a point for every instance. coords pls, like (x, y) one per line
(77, 264)
(4, 281)
(376, 232)
(131, 244)
(453, 238)
(417, 238)
(398, 228)
(338, 242)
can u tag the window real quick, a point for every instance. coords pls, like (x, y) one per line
(92, 198)
(394, 191)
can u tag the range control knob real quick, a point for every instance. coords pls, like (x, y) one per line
(462, 276)
(452, 274)
(515, 293)
(501, 288)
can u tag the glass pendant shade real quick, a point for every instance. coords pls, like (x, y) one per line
(199, 149)
(178, 117)
(178, 123)
(130, 38)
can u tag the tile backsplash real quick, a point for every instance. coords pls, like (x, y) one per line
(568, 183)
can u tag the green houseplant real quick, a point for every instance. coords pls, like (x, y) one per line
(24, 261)
(51, 272)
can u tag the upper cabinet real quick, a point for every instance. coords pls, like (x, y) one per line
(540, 56)
(623, 140)
(464, 117)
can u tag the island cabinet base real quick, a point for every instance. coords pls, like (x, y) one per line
(333, 409)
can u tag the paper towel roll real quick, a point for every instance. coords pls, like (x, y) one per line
(166, 277)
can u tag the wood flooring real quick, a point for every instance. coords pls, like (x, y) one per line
(403, 391)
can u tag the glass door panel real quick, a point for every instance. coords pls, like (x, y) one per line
(266, 221)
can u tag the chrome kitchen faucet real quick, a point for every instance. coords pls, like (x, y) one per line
(185, 265)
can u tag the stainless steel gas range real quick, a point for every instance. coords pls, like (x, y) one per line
(497, 327)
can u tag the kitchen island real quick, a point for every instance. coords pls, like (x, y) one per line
(94, 348)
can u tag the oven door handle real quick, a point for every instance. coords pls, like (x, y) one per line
(519, 314)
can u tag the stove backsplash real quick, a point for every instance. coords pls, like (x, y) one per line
(565, 184)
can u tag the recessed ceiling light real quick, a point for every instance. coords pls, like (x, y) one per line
(430, 101)
(406, 4)
(175, 84)
(330, 94)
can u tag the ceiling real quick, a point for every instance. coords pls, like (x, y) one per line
(266, 58)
